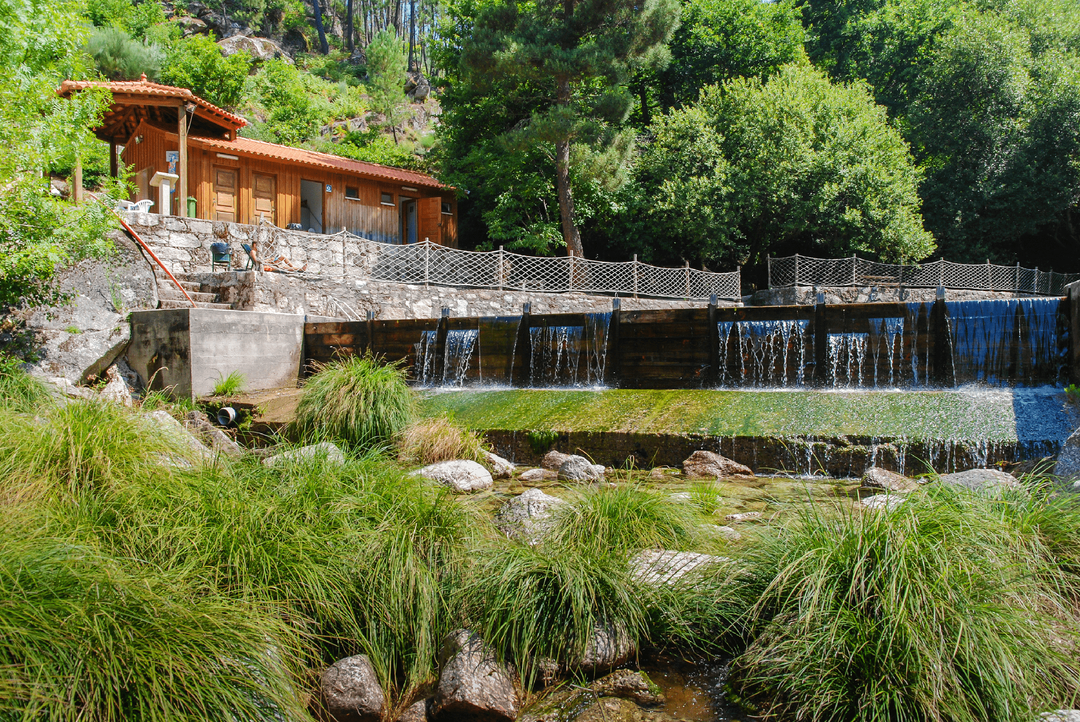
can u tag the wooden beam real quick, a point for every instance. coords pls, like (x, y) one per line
(113, 166)
(182, 170)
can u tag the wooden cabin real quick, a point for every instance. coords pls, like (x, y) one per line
(154, 128)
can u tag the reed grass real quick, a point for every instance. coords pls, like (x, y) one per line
(234, 383)
(357, 400)
(19, 391)
(430, 441)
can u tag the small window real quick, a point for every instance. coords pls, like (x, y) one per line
(446, 209)
(387, 199)
(352, 192)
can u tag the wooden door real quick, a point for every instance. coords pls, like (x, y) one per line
(430, 213)
(264, 195)
(224, 194)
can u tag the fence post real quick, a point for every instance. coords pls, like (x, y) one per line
(686, 278)
(344, 235)
(796, 270)
(427, 264)
(611, 361)
(941, 272)
(989, 276)
(635, 275)
(714, 343)
(570, 276)
(768, 267)
(500, 268)
(521, 375)
(854, 281)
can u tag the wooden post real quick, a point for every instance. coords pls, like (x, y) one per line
(796, 270)
(182, 168)
(344, 235)
(686, 278)
(76, 181)
(523, 348)
(499, 269)
(570, 277)
(714, 344)
(611, 368)
(371, 331)
(114, 165)
(427, 265)
(854, 279)
(821, 341)
(989, 276)
(439, 372)
(939, 336)
(768, 271)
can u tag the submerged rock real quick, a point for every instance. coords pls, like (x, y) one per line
(462, 475)
(981, 479)
(528, 516)
(614, 709)
(629, 684)
(657, 567)
(876, 478)
(710, 465)
(351, 692)
(332, 453)
(538, 475)
(553, 460)
(882, 502)
(578, 468)
(500, 468)
(472, 683)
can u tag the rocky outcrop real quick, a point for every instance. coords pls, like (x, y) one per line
(473, 685)
(553, 460)
(876, 478)
(660, 567)
(981, 480)
(462, 476)
(116, 390)
(417, 87)
(350, 691)
(528, 516)
(325, 449)
(500, 468)
(259, 48)
(710, 465)
(578, 468)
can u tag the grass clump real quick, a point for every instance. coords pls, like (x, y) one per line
(234, 383)
(433, 440)
(19, 391)
(357, 400)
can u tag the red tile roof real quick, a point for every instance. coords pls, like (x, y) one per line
(149, 89)
(249, 147)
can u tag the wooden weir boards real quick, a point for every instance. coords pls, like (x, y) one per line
(657, 349)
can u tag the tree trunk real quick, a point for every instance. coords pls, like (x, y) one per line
(646, 114)
(349, 27)
(562, 181)
(319, 26)
(412, 34)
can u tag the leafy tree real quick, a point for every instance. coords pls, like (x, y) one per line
(197, 63)
(791, 163)
(295, 114)
(119, 57)
(576, 56)
(136, 19)
(386, 69)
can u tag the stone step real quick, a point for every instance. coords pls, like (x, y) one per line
(197, 296)
(170, 303)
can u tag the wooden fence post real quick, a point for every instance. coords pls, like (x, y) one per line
(939, 337)
(635, 275)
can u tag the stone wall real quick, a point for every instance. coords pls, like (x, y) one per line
(807, 295)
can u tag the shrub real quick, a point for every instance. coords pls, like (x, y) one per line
(358, 400)
(119, 57)
(197, 63)
(432, 440)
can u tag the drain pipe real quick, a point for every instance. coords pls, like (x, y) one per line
(135, 236)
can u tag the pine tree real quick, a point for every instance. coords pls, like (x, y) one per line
(579, 54)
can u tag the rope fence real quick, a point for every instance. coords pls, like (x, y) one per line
(806, 271)
(429, 263)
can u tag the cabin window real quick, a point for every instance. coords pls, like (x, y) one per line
(352, 192)
(446, 209)
(387, 199)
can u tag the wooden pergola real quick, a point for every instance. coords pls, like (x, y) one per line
(164, 106)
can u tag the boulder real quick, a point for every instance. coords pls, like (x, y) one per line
(528, 516)
(462, 475)
(191, 26)
(258, 48)
(659, 567)
(609, 646)
(578, 468)
(628, 684)
(351, 692)
(116, 390)
(500, 467)
(882, 502)
(332, 453)
(415, 712)
(876, 478)
(65, 388)
(614, 709)
(981, 480)
(1068, 459)
(187, 446)
(417, 87)
(538, 475)
(710, 465)
(553, 460)
(662, 472)
(198, 424)
(1061, 715)
(743, 516)
(473, 685)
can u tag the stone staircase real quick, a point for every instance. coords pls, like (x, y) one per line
(204, 296)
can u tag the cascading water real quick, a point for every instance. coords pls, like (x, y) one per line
(460, 345)
(570, 355)
(845, 358)
(1002, 341)
(766, 350)
(887, 341)
(424, 353)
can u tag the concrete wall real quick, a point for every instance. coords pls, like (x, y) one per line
(195, 348)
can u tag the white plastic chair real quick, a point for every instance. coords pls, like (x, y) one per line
(142, 206)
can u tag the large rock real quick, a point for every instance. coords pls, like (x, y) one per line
(628, 684)
(609, 646)
(553, 460)
(500, 468)
(710, 465)
(415, 712)
(882, 502)
(657, 567)
(876, 478)
(199, 425)
(258, 48)
(981, 480)
(473, 685)
(351, 692)
(332, 453)
(461, 475)
(1061, 715)
(116, 390)
(539, 475)
(578, 468)
(188, 448)
(1068, 461)
(528, 516)
(191, 26)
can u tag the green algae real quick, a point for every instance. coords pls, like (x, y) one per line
(945, 414)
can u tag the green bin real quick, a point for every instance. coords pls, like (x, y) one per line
(192, 205)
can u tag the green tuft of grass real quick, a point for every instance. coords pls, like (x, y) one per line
(357, 400)
(19, 391)
(234, 383)
(429, 441)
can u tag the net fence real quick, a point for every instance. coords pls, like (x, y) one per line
(806, 271)
(430, 263)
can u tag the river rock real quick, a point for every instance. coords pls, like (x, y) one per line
(876, 478)
(882, 502)
(981, 479)
(351, 692)
(199, 425)
(615, 709)
(538, 475)
(472, 683)
(528, 516)
(710, 465)
(1068, 460)
(609, 646)
(500, 468)
(628, 684)
(578, 468)
(553, 460)
(332, 453)
(1061, 715)
(415, 712)
(462, 476)
(743, 516)
(658, 567)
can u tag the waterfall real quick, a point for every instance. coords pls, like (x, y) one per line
(887, 336)
(979, 333)
(570, 355)
(766, 349)
(845, 356)
(424, 352)
(459, 352)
